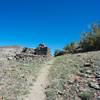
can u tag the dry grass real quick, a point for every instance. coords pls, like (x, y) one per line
(64, 72)
(61, 71)
(16, 78)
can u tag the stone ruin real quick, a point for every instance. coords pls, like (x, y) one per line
(42, 52)
(13, 53)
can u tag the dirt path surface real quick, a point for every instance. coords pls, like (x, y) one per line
(38, 90)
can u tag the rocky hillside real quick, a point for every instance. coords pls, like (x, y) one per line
(24, 53)
(19, 68)
(7, 52)
(75, 77)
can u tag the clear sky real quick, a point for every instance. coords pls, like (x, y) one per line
(53, 22)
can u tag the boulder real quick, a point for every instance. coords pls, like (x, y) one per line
(94, 85)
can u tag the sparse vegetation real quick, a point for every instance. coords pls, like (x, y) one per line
(70, 48)
(86, 95)
(59, 75)
(69, 77)
(16, 79)
(89, 41)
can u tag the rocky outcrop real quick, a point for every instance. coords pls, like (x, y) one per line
(24, 54)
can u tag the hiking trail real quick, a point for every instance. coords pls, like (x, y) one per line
(38, 90)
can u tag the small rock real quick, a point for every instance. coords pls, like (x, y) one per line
(78, 55)
(81, 71)
(86, 75)
(89, 71)
(97, 74)
(87, 65)
(59, 92)
(98, 98)
(70, 82)
(89, 76)
(10, 58)
(94, 85)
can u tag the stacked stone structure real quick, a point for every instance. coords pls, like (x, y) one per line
(24, 54)
(41, 52)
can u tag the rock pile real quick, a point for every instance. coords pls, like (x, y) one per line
(24, 54)
(29, 54)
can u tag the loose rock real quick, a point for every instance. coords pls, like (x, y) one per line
(94, 85)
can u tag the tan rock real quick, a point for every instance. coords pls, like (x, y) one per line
(1, 98)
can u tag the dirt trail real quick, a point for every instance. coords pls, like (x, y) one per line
(38, 90)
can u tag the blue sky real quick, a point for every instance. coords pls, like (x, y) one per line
(53, 22)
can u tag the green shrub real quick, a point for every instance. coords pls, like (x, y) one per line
(58, 53)
(91, 40)
(86, 95)
(70, 48)
(87, 42)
